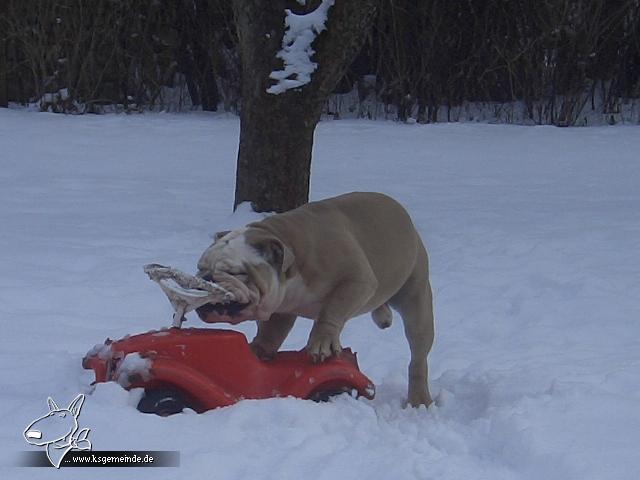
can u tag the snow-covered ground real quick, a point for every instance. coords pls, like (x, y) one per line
(534, 236)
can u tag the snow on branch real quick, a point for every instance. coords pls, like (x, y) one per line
(296, 52)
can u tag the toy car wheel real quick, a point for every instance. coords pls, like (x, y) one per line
(163, 402)
(324, 395)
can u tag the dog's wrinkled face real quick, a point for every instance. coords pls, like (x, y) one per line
(250, 263)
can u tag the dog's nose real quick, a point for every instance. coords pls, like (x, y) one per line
(34, 434)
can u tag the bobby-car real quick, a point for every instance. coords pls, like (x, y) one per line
(202, 368)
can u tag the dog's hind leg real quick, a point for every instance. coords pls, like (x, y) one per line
(382, 316)
(415, 305)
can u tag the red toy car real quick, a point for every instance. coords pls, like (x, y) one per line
(203, 368)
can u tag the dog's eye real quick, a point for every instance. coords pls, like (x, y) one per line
(62, 415)
(239, 274)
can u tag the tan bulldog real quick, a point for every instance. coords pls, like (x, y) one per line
(329, 261)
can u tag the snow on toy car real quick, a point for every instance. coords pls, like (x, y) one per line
(203, 368)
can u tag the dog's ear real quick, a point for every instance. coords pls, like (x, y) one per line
(76, 405)
(52, 405)
(218, 235)
(276, 253)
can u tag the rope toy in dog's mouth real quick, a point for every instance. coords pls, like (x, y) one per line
(187, 292)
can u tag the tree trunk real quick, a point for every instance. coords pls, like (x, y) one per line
(276, 131)
(274, 157)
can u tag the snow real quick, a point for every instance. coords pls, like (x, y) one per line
(534, 239)
(133, 364)
(296, 52)
(100, 350)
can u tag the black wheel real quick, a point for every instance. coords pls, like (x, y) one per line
(324, 395)
(163, 402)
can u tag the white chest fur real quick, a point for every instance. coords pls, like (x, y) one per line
(300, 300)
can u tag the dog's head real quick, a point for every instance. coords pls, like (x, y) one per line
(253, 264)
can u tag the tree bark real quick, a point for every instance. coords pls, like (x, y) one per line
(276, 131)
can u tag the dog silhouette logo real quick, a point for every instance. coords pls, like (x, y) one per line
(57, 431)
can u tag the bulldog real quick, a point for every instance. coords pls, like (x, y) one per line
(329, 261)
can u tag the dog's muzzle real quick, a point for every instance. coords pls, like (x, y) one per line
(231, 309)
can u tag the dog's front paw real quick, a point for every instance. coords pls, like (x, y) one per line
(323, 344)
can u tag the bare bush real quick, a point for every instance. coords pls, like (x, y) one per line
(424, 59)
